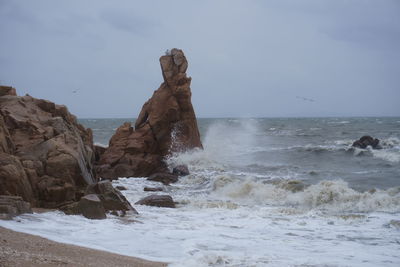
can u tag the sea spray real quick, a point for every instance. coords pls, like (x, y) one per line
(332, 196)
(225, 144)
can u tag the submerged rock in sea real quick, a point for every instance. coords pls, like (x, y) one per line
(166, 124)
(366, 141)
(152, 189)
(164, 201)
(165, 178)
(181, 170)
(46, 156)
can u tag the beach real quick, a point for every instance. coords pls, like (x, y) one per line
(19, 249)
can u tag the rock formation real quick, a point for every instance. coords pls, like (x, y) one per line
(46, 156)
(166, 124)
(11, 206)
(367, 140)
(162, 201)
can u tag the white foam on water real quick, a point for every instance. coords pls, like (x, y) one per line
(100, 144)
(228, 232)
(224, 145)
(390, 156)
(230, 217)
(331, 197)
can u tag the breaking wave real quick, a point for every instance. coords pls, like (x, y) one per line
(331, 196)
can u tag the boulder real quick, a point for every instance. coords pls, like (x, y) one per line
(71, 208)
(181, 170)
(152, 189)
(366, 141)
(46, 156)
(165, 178)
(111, 198)
(166, 124)
(11, 206)
(91, 207)
(164, 201)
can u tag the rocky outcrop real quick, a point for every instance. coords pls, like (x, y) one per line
(163, 201)
(11, 206)
(366, 141)
(46, 156)
(166, 124)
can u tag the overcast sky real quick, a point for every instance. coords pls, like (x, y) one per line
(246, 58)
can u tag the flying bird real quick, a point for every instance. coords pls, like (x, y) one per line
(75, 91)
(305, 99)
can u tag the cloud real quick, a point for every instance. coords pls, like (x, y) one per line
(247, 58)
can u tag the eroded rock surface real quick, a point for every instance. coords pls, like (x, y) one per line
(11, 206)
(46, 156)
(166, 124)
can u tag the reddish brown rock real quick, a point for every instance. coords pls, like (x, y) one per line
(166, 124)
(13, 179)
(46, 155)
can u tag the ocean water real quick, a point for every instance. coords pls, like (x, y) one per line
(263, 192)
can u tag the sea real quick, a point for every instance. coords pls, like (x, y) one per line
(262, 192)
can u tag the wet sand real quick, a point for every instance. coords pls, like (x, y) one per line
(19, 249)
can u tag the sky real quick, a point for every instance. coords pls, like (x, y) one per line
(246, 58)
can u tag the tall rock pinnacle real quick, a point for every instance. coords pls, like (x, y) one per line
(166, 124)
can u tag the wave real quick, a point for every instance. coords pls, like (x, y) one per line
(329, 196)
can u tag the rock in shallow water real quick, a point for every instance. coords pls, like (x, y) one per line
(152, 189)
(366, 141)
(11, 206)
(164, 201)
(166, 124)
(111, 198)
(181, 170)
(91, 207)
(165, 178)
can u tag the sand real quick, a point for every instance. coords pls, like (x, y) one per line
(19, 249)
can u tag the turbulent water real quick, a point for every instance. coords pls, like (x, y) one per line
(263, 192)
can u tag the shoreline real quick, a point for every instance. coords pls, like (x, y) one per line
(20, 249)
